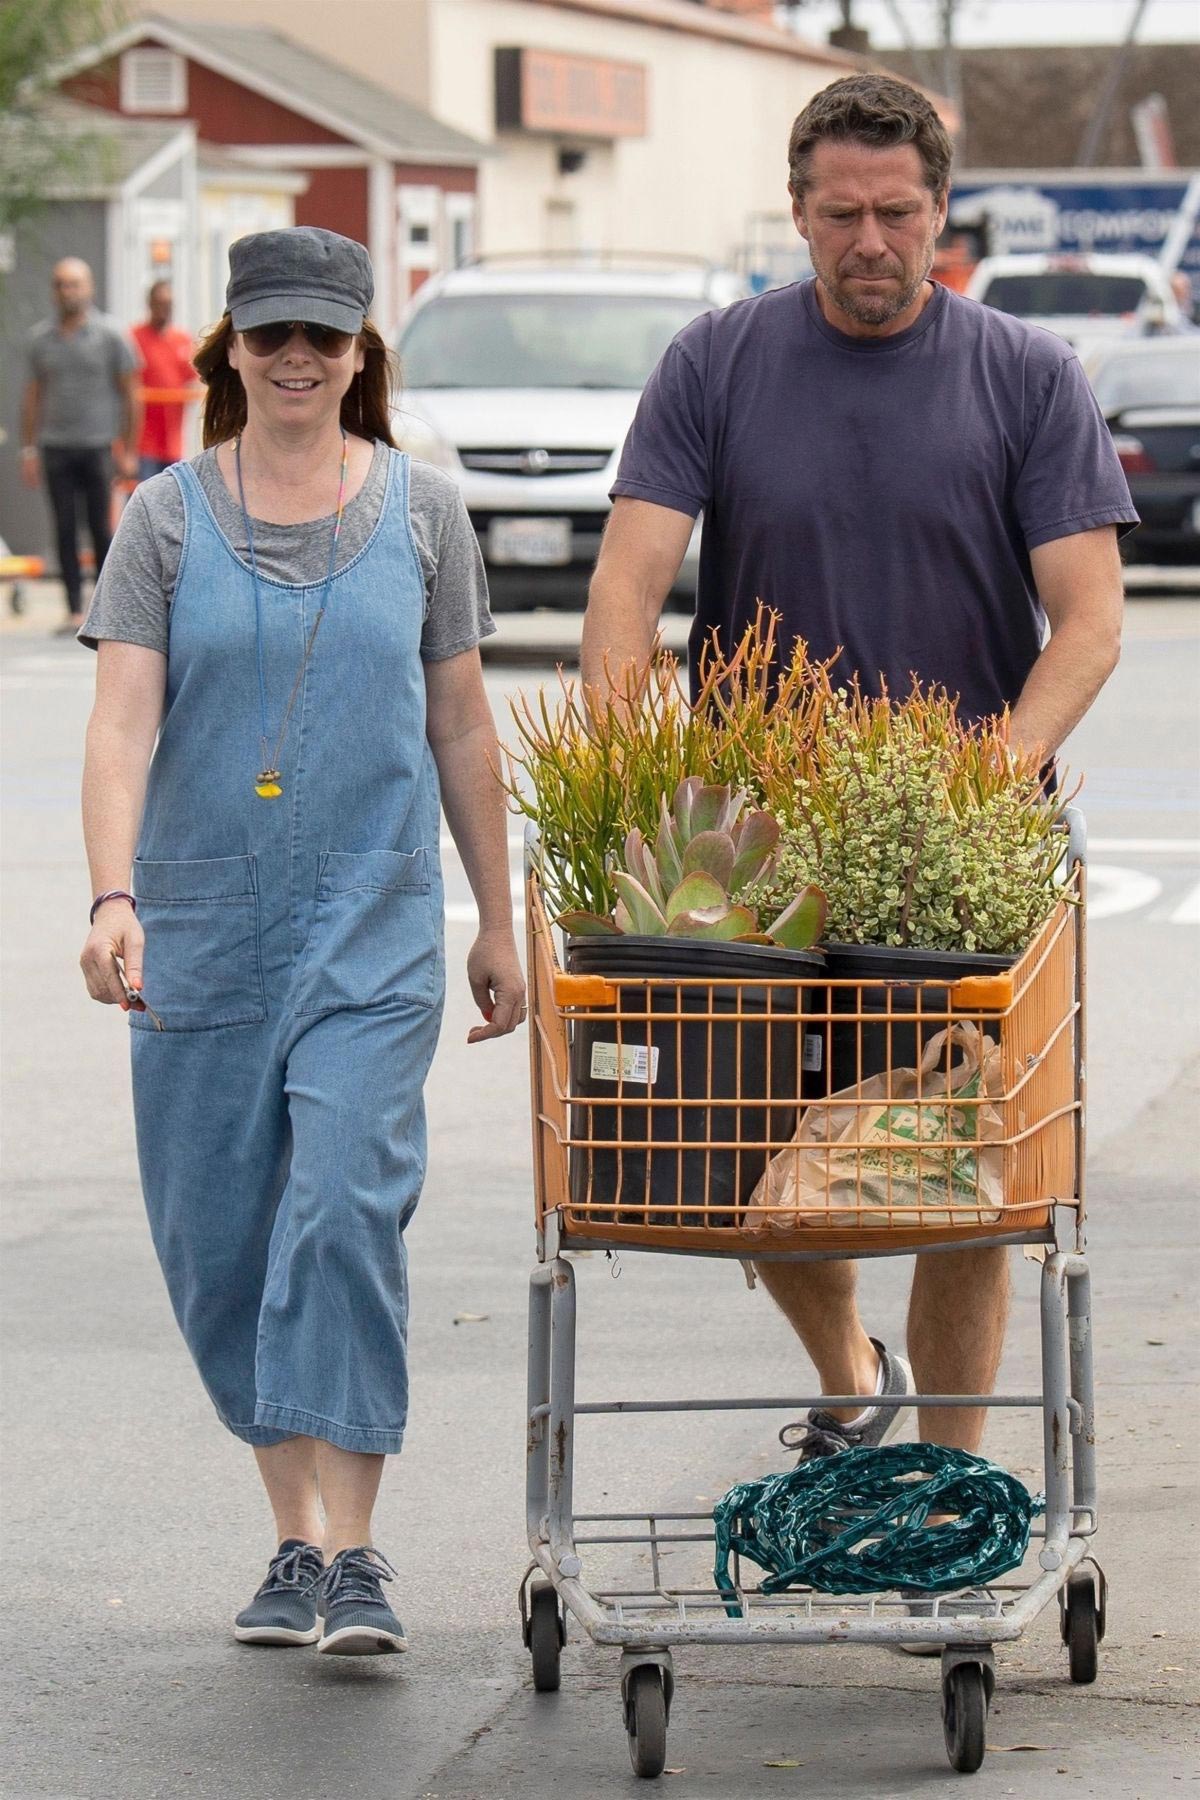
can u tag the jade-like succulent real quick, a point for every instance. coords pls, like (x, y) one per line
(707, 850)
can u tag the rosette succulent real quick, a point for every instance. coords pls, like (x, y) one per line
(708, 850)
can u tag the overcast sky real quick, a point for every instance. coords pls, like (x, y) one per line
(1011, 21)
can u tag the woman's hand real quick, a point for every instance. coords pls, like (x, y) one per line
(497, 984)
(116, 934)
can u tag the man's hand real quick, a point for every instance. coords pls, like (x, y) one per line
(497, 984)
(126, 464)
(116, 934)
(31, 467)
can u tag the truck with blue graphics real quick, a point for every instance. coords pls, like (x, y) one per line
(1148, 212)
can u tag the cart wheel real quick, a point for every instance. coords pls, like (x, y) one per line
(646, 1720)
(964, 1716)
(1081, 1628)
(546, 1637)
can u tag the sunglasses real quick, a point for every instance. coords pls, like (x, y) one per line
(265, 340)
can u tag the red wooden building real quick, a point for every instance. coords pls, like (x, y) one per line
(292, 137)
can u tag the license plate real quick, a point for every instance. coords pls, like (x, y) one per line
(543, 541)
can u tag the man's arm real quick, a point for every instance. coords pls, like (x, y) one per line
(31, 418)
(640, 554)
(1079, 583)
(129, 382)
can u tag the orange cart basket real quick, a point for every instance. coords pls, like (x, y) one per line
(695, 1115)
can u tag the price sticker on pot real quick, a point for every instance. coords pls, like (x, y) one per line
(814, 1050)
(624, 1062)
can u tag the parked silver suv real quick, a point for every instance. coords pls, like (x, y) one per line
(521, 379)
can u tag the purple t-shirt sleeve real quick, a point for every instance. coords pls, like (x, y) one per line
(1071, 479)
(665, 459)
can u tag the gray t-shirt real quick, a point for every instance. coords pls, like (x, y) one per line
(133, 595)
(80, 377)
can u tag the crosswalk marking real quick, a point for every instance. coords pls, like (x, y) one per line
(1188, 910)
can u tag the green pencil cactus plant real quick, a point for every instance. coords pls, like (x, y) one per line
(707, 851)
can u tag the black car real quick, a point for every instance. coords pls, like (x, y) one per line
(1149, 393)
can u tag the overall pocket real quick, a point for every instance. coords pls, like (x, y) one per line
(202, 966)
(374, 937)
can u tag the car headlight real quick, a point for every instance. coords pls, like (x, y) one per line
(419, 438)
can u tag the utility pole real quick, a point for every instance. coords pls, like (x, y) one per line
(951, 77)
(1118, 65)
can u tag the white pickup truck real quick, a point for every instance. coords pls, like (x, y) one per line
(1084, 299)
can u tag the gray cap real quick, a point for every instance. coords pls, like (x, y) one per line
(303, 273)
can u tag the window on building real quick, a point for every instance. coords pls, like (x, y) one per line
(418, 209)
(153, 80)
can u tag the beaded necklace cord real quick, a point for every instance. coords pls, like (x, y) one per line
(267, 784)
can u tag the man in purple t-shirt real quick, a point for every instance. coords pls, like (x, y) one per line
(921, 481)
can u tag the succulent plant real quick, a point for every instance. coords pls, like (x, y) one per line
(924, 832)
(592, 762)
(708, 849)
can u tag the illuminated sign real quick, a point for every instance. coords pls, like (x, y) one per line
(577, 96)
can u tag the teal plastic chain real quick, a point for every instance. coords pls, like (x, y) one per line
(854, 1523)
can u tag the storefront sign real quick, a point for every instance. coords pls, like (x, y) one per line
(576, 96)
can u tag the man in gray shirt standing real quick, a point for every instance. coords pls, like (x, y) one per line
(80, 398)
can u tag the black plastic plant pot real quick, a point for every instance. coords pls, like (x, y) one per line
(744, 1044)
(904, 968)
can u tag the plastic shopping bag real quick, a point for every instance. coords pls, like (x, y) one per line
(878, 1155)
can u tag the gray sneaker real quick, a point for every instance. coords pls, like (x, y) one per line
(970, 1603)
(284, 1610)
(357, 1620)
(820, 1434)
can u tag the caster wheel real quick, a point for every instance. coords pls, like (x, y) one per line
(646, 1720)
(1081, 1628)
(546, 1637)
(964, 1716)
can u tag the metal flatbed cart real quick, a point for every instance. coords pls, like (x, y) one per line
(648, 1138)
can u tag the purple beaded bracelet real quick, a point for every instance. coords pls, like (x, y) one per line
(112, 894)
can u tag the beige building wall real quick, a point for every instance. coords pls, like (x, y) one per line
(719, 114)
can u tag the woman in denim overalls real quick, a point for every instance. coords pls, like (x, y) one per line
(281, 849)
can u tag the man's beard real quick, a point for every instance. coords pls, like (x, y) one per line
(867, 308)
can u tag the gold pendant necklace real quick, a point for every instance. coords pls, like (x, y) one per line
(268, 783)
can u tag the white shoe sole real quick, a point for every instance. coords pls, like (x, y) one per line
(360, 1640)
(274, 1634)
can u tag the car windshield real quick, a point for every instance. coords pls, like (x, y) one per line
(541, 340)
(1065, 294)
(1158, 378)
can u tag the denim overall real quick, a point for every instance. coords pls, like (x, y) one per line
(294, 954)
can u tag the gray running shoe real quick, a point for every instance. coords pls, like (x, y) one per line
(823, 1435)
(357, 1619)
(284, 1610)
(970, 1603)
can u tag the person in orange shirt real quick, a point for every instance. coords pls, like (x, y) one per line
(954, 261)
(165, 351)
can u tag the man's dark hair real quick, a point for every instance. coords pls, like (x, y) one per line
(874, 110)
(164, 281)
